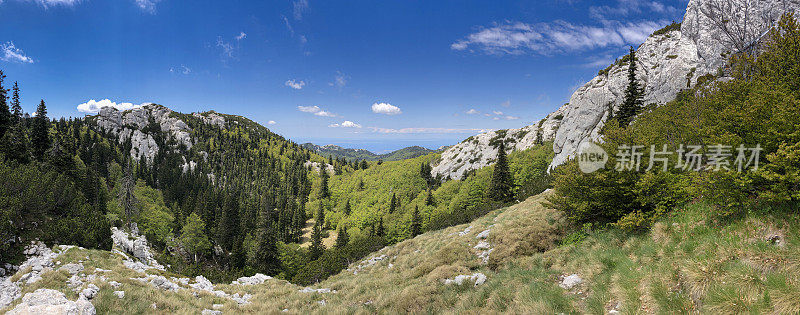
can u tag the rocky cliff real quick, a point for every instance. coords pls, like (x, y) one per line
(139, 125)
(668, 62)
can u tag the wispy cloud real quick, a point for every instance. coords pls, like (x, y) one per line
(625, 8)
(472, 111)
(386, 109)
(345, 124)
(295, 84)
(227, 49)
(271, 122)
(298, 8)
(517, 38)
(241, 36)
(93, 107)
(10, 53)
(316, 110)
(148, 6)
(182, 70)
(340, 80)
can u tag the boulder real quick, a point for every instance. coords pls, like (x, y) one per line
(570, 281)
(47, 301)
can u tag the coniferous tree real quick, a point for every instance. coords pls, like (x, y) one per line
(16, 106)
(416, 223)
(380, 232)
(266, 258)
(320, 216)
(5, 114)
(347, 207)
(15, 144)
(342, 238)
(502, 184)
(393, 204)
(324, 191)
(40, 132)
(634, 94)
(429, 198)
(127, 199)
(316, 248)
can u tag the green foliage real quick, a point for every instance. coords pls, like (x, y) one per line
(501, 188)
(5, 113)
(155, 219)
(634, 93)
(674, 26)
(193, 236)
(40, 132)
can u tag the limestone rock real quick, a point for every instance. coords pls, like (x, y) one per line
(47, 301)
(255, 279)
(570, 281)
(475, 278)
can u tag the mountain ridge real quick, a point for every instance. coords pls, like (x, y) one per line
(350, 154)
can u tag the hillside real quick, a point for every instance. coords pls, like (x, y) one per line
(687, 263)
(338, 152)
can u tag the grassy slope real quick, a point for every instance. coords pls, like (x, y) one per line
(686, 263)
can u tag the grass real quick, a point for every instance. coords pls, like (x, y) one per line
(687, 263)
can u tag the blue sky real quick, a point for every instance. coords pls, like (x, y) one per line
(379, 75)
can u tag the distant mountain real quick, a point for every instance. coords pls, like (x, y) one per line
(361, 154)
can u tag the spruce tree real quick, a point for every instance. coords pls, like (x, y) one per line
(416, 223)
(429, 198)
(634, 95)
(16, 106)
(40, 132)
(393, 204)
(5, 114)
(342, 238)
(15, 144)
(266, 258)
(347, 209)
(502, 184)
(324, 191)
(321, 216)
(381, 232)
(126, 197)
(316, 248)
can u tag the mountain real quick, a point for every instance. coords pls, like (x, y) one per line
(336, 152)
(671, 60)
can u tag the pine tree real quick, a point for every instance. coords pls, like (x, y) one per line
(40, 132)
(324, 191)
(15, 144)
(634, 94)
(416, 223)
(193, 236)
(266, 258)
(347, 207)
(381, 232)
(5, 114)
(127, 199)
(316, 248)
(16, 106)
(502, 184)
(429, 198)
(342, 238)
(393, 204)
(321, 216)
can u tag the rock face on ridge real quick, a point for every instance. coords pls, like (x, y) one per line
(134, 124)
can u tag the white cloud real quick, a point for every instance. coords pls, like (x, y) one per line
(472, 111)
(271, 122)
(386, 109)
(497, 112)
(93, 107)
(557, 37)
(628, 7)
(10, 53)
(316, 111)
(225, 48)
(295, 84)
(345, 124)
(183, 69)
(148, 6)
(241, 36)
(298, 8)
(49, 3)
(505, 117)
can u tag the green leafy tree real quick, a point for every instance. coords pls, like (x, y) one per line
(634, 94)
(40, 132)
(501, 188)
(193, 237)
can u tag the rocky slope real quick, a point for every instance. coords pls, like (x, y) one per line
(667, 63)
(139, 125)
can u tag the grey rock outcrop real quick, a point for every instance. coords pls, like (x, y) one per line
(47, 301)
(137, 247)
(481, 150)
